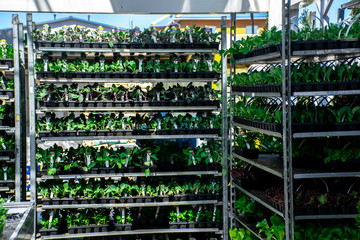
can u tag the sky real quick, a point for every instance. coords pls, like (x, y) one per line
(123, 20)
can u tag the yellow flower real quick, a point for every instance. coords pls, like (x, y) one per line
(257, 143)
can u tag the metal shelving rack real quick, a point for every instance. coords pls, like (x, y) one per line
(33, 53)
(17, 71)
(273, 164)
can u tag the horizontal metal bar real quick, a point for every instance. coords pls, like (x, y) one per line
(4, 158)
(89, 138)
(134, 232)
(326, 93)
(297, 94)
(326, 52)
(328, 216)
(271, 133)
(260, 199)
(4, 67)
(128, 109)
(326, 175)
(139, 174)
(122, 205)
(119, 50)
(4, 189)
(4, 97)
(252, 228)
(124, 80)
(266, 165)
(256, 94)
(326, 134)
(260, 58)
(7, 181)
(5, 128)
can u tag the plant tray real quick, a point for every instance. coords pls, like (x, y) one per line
(7, 153)
(275, 127)
(123, 227)
(324, 210)
(7, 121)
(48, 232)
(134, 45)
(350, 165)
(150, 224)
(89, 229)
(126, 104)
(247, 153)
(9, 92)
(126, 75)
(303, 46)
(182, 225)
(7, 61)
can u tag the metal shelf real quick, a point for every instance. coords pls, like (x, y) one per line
(274, 166)
(309, 174)
(320, 55)
(134, 232)
(125, 80)
(133, 51)
(257, 94)
(297, 94)
(139, 174)
(262, 58)
(271, 133)
(4, 67)
(326, 134)
(7, 159)
(251, 227)
(4, 97)
(260, 197)
(328, 53)
(332, 216)
(326, 93)
(89, 138)
(7, 181)
(129, 109)
(125, 205)
(268, 164)
(4, 189)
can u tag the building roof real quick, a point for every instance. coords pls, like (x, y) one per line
(71, 18)
(218, 16)
(168, 20)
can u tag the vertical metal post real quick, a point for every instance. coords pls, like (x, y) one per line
(31, 104)
(23, 112)
(286, 119)
(252, 23)
(231, 136)
(15, 22)
(225, 129)
(31, 115)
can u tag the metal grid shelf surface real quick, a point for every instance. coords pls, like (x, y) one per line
(119, 50)
(259, 196)
(271, 133)
(135, 174)
(250, 227)
(328, 216)
(88, 138)
(125, 205)
(133, 232)
(128, 109)
(125, 80)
